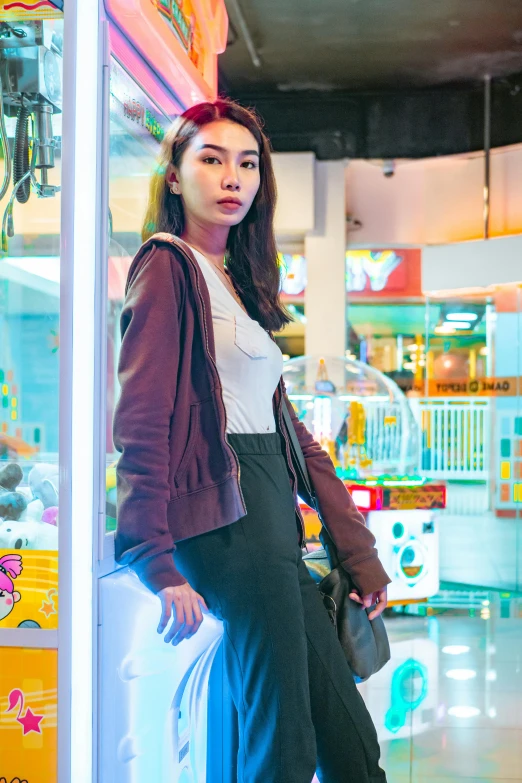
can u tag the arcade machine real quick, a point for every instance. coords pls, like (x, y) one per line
(363, 420)
(83, 83)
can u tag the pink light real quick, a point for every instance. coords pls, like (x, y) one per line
(142, 24)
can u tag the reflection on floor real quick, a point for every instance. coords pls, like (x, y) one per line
(476, 547)
(448, 706)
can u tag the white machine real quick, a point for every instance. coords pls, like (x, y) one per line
(408, 543)
(153, 721)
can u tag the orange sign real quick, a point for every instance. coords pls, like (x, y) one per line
(28, 715)
(468, 387)
(28, 589)
(24, 10)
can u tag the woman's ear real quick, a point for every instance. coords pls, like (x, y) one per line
(172, 180)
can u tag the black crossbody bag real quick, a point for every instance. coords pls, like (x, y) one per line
(364, 642)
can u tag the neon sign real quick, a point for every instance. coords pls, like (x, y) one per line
(363, 266)
(136, 111)
(180, 17)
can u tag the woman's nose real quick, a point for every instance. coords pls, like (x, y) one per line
(231, 182)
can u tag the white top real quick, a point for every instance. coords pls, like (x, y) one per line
(249, 362)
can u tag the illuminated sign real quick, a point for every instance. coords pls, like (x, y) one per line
(369, 273)
(137, 112)
(181, 18)
(129, 100)
(476, 387)
(365, 267)
(24, 10)
(293, 274)
(178, 39)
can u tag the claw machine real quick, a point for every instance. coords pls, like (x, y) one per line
(87, 690)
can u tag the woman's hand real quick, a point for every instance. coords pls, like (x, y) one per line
(378, 599)
(187, 615)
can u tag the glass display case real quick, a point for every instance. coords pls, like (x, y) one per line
(358, 414)
(31, 130)
(137, 126)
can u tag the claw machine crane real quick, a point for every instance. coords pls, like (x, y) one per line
(88, 691)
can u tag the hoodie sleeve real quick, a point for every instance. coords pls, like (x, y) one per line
(148, 369)
(344, 522)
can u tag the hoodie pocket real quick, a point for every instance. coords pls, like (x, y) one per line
(191, 443)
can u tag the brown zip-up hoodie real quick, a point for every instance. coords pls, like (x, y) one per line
(177, 475)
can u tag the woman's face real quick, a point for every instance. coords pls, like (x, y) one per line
(219, 174)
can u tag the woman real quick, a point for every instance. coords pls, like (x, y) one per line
(205, 468)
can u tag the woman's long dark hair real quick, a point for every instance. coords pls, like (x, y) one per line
(252, 252)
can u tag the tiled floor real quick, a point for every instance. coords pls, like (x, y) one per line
(448, 707)
(476, 547)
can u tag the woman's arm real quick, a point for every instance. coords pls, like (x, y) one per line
(355, 543)
(148, 368)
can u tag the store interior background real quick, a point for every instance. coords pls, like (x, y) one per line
(398, 105)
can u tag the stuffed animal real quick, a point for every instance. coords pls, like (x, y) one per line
(28, 535)
(33, 513)
(50, 515)
(44, 481)
(12, 503)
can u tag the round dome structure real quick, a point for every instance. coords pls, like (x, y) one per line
(358, 414)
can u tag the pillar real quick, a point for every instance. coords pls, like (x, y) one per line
(325, 249)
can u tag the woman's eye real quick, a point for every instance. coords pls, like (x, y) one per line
(2, 594)
(211, 160)
(249, 164)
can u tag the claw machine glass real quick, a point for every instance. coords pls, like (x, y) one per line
(154, 712)
(31, 69)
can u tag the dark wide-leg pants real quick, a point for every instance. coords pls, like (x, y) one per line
(299, 709)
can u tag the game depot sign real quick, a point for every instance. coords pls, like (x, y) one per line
(474, 387)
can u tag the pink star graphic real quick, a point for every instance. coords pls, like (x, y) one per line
(31, 722)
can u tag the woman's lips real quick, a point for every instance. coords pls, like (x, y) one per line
(230, 205)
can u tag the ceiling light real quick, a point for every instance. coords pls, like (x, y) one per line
(461, 674)
(463, 712)
(460, 325)
(461, 317)
(445, 328)
(455, 649)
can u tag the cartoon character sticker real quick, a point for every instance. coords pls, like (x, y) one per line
(10, 569)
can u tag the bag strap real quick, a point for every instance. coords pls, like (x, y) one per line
(305, 486)
(299, 462)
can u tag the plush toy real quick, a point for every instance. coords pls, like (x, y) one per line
(33, 513)
(28, 535)
(44, 481)
(12, 502)
(50, 515)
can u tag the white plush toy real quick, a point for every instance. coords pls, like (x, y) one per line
(33, 513)
(43, 481)
(28, 535)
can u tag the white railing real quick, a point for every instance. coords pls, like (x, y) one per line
(454, 437)
(388, 445)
